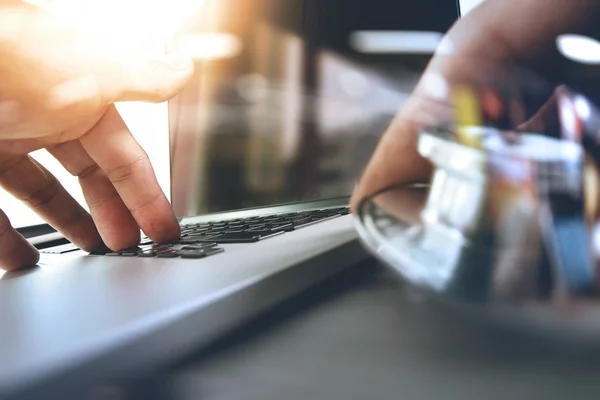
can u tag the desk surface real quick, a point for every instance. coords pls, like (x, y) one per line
(374, 340)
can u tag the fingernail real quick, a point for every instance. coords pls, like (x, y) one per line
(179, 61)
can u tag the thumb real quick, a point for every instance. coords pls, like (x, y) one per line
(153, 80)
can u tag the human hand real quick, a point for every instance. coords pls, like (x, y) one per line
(57, 89)
(484, 49)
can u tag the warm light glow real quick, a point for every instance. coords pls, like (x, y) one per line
(73, 92)
(125, 20)
(392, 42)
(140, 25)
(252, 87)
(579, 48)
(208, 46)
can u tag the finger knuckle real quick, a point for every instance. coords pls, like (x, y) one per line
(127, 171)
(76, 217)
(144, 206)
(9, 164)
(87, 171)
(163, 94)
(43, 196)
(100, 201)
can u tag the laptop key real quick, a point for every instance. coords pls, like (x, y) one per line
(170, 253)
(276, 220)
(146, 254)
(240, 238)
(245, 237)
(266, 232)
(190, 241)
(191, 254)
(160, 247)
(202, 238)
(321, 215)
(216, 231)
(199, 247)
(300, 220)
(165, 255)
(233, 232)
(257, 226)
(199, 239)
(238, 226)
(311, 221)
(213, 250)
(130, 252)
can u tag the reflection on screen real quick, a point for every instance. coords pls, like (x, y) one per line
(275, 112)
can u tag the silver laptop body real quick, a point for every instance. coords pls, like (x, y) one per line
(77, 319)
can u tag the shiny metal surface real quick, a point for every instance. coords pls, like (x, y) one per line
(81, 320)
(444, 265)
(500, 257)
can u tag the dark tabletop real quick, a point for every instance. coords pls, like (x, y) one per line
(364, 336)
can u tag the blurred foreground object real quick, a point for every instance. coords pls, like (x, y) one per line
(506, 229)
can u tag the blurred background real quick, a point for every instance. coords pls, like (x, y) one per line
(290, 97)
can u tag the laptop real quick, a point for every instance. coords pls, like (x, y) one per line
(259, 154)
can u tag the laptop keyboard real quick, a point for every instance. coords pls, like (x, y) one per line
(202, 240)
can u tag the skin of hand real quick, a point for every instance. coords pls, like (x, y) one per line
(58, 87)
(483, 48)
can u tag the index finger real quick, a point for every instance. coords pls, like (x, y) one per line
(127, 166)
(15, 251)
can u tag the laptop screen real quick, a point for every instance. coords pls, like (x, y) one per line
(290, 97)
(287, 104)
